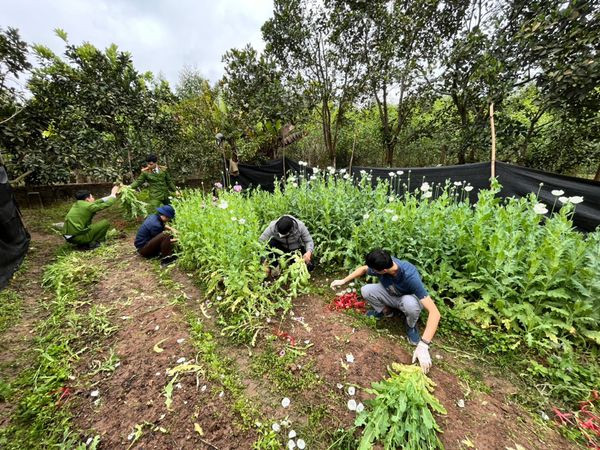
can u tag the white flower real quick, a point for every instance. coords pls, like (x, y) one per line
(295, 184)
(427, 194)
(242, 221)
(342, 170)
(366, 216)
(391, 198)
(394, 218)
(352, 404)
(457, 183)
(219, 298)
(392, 174)
(363, 172)
(276, 427)
(468, 188)
(233, 219)
(347, 176)
(351, 390)
(301, 444)
(285, 402)
(94, 393)
(540, 208)
(221, 394)
(360, 408)
(223, 204)
(389, 211)
(316, 170)
(313, 177)
(557, 192)
(564, 199)
(350, 358)
(340, 385)
(291, 444)
(399, 172)
(291, 434)
(425, 187)
(576, 200)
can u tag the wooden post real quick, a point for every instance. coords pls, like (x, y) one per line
(283, 162)
(493, 139)
(352, 154)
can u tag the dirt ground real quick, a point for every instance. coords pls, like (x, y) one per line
(132, 397)
(16, 343)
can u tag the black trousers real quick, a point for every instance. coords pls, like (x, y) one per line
(274, 244)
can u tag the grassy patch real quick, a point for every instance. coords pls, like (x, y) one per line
(41, 418)
(10, 309)
(223, 370)
(287, 369)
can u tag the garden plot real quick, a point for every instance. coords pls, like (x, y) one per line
(204, 355)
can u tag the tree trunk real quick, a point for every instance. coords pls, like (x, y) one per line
(326, 122)
(597, 176)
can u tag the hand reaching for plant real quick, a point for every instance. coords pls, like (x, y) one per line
(422, 354)
(337, 283)
(306, 257)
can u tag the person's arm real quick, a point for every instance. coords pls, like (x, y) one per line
(139, 180)
(169, 181)
(421, 353)
(308, 242)
(268, 233)
(361, 271)
(105, 202)
(433, 319)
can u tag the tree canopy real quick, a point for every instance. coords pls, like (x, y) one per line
(394, 83)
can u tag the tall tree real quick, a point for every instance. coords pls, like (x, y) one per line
(301, 37)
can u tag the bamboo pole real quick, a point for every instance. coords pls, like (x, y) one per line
(352, 154)
(493, 166)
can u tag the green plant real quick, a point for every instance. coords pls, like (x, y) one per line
(132, 206)
(401, 415)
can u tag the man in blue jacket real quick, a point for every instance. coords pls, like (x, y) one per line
(152, 240)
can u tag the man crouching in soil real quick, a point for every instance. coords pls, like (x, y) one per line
(399, 288)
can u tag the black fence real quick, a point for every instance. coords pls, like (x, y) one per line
(516, 181)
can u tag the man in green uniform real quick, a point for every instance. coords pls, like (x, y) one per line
(78, 228)
(160, 183)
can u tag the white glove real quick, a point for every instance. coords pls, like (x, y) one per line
(337, 283)
(422, 354)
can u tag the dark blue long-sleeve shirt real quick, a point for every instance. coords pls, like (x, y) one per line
(151, 227)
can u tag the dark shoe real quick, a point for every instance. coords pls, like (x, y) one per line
(412, 333)
(167, 260)
(90, 246)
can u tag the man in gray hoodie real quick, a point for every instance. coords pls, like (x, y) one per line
(289, 234)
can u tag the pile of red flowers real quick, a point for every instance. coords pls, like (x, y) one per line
(586, 419)
(347, 301)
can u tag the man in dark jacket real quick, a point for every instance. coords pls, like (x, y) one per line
(289, 234)
(152, 240)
